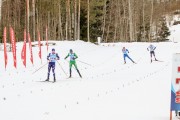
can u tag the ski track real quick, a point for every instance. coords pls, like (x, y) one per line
(109, 89)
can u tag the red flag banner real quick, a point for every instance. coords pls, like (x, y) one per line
(39, 44)
(30, 48)
(47, 38)
(5, 50)
(13, 42)
(23, 52)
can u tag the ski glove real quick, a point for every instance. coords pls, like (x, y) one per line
(74, 58)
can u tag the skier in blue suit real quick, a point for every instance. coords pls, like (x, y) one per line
(52, 57)
(125, 54)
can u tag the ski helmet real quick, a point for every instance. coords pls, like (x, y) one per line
(53, 49)
(71, 50)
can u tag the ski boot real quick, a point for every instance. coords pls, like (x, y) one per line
(47, 78)
(54, 78)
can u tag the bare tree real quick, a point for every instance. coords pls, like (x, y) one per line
(60, 24)
(79, 14)
(130, 21)
(75, 19)
(34, 20)
(150, 29)
(69, 19)
(0, 8)
(27, 16)
(104, 19)
(88, 10)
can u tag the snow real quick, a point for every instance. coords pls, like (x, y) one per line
(109, 89)
(175, 33)
(175, 30)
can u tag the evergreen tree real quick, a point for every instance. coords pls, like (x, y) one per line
(164, 30)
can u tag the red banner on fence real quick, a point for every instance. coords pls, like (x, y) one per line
(13, 42)
(39, 44)
(5, 50)
(30, 48)
(23, 52)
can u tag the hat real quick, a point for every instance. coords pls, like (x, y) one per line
(53, 49)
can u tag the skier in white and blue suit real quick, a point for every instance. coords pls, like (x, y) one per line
(152, 48)
(52, 57)
(125, 54)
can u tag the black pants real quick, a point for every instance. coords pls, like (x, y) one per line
(152, 53)
(51, 65)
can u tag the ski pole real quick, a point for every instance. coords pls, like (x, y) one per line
(40, 68)
(84, 63)
(62, 68)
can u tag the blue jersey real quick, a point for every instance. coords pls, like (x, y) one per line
(125, 51)
(53, 57)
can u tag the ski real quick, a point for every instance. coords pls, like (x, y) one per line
(46, 81)
(158, 60)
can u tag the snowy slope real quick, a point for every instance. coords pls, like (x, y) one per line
(175, 33)
(175, 30)
(109, 89)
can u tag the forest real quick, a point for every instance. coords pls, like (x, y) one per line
(112, 20)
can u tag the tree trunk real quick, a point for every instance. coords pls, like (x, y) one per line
(109, 24)
(130, 21)
(67, 24)
(69, 20)
(27, 17)
(34, 20)
(144, 39)
(0, 9)
(88, 21)
(104, 19)
(60, 24)
(79, 14)
(75, 19)
(150, 28)
(116, 21)
(48, 27)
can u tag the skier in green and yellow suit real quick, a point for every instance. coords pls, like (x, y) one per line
(72, 62)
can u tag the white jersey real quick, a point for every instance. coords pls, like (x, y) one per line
(125, 51)
(151, 48)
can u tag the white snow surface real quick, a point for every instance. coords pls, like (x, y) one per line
(109, 89)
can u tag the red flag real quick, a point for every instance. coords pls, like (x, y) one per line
(23, 52)
(5, 50)
(47, 38)
(30, 48)
(13, 42)
(39, 44)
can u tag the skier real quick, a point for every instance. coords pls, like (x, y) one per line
(72, 61)
(52, 57)
(125, 54)
(151, 48)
